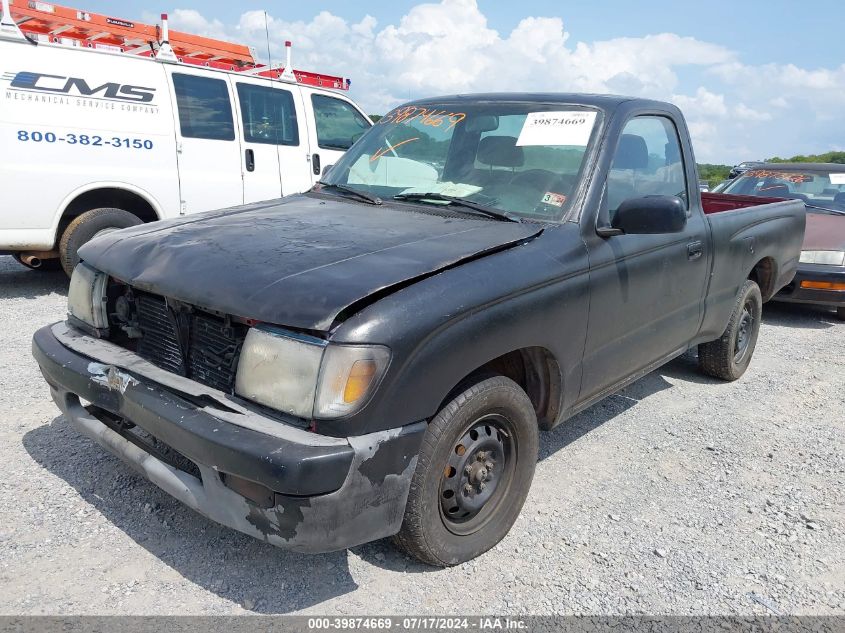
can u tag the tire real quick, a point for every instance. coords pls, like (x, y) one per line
(490, 429)
(728, 356)
(85, 227)
(840, 313)
(46, 265)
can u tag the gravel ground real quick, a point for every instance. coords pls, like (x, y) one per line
(679, 495)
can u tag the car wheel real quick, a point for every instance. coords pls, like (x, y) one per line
(840, 313)
(87, 226)
(728, 356)
(473, 474)
(43, 264)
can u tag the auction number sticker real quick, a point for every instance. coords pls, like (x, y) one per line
(567, 127)
(837, 179)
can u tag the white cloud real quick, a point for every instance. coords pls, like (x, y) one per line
(447, 47)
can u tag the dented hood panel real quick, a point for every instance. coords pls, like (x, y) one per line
(297, 262)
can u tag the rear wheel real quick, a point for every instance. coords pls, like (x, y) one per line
(728, 356)
(86, 227)
(39, 264)
(473, 474)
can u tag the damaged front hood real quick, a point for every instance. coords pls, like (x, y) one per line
(297, 262)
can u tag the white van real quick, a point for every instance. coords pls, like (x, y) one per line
(97, 138)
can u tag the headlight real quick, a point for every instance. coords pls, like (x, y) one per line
(86, 296)
(305, 376)
(827, 258)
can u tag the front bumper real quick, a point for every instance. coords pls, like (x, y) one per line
(794, 293)
(323, 493)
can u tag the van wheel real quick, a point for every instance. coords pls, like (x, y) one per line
(728, 356)
(473, 474)
(43, 264)
(87, 226)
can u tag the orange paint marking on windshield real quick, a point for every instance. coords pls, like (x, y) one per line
(390, 148)
(431, 118)
(796, 177)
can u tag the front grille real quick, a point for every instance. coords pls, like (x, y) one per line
(160, 342)
(189, 342)
(214, 351)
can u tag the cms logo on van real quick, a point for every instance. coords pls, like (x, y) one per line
(59, 84)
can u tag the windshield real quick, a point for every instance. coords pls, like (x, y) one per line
(522, 159)
(817, 188)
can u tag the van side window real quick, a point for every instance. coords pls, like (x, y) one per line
(647, 162)
(269, 115)
(338, 123)
(205, 110)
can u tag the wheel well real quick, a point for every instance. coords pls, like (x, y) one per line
(107, 197)
(532, 368)
(763, 274)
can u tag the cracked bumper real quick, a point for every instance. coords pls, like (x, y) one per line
(326, 493)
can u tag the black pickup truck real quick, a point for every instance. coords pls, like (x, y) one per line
(376, 357)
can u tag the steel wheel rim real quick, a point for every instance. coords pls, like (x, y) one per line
(745, 330)
(478, 474)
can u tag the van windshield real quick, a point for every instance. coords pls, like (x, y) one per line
(524, 159)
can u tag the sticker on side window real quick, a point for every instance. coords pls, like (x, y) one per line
(567, 127)
(837, 179)
(554, 199)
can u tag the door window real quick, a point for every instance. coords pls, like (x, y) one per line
(269, 115)
(647, 162)
(204, 107)
(338, 123)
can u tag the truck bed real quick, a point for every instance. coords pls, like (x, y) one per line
(718, 202)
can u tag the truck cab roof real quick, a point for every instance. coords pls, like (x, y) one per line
(601, 101)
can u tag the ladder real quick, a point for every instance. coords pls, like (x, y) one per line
(45, 22)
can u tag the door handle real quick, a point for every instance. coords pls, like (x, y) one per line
(249, 157)
(315, 164)
(695, 250)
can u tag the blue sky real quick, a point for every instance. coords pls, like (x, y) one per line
(754, 78)
(761, 31)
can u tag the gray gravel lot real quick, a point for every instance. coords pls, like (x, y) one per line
(679, 495)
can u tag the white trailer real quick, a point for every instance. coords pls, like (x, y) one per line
(103, 125)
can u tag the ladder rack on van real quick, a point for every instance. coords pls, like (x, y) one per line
(55, 24)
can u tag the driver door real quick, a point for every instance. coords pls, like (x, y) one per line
(646, 290)
(335, 125)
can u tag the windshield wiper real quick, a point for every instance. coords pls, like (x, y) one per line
(361, 195)
(815, 206)
(460, 202)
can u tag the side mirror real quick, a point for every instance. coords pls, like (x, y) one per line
(326, 170)
(650, 215)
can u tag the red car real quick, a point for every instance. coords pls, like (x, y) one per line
(820, 278)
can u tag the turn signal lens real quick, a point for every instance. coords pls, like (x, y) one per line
(823, 285)
(348, 377)
(360, 377)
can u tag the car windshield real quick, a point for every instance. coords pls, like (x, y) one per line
(817, 188)
(519, 159)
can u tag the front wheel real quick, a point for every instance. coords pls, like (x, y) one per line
(728, 356)
(473, 474)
